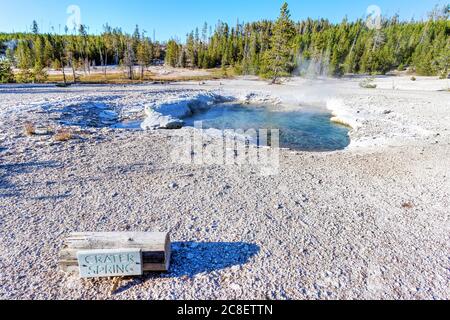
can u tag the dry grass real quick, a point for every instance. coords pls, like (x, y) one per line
(63, 136)
(368, 83)
(186, 78)
(93, 78)
(120, 77)
(407, 205)
(29, 129)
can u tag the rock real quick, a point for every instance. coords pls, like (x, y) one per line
(387, 111)
(150, 123)
(236, 269)
(106, 130)
(168, 115)
(170, 123)
(176, 109)
(156, 121)
(42, 132)
(173, 185)
(235, 287)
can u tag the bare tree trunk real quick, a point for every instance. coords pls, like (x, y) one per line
(88, 65)
(102, 62)
(63, 71)
(106, 63)
(73, 71)
(274, 79)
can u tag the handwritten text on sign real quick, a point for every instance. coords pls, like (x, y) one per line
(110, 263)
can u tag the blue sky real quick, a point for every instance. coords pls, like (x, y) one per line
(174, 18)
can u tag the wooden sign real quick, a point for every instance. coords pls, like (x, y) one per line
(154, 248)
(110, 263)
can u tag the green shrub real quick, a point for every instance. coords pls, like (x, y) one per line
(444, 75)
(35, 75)
(39, 75)
(238, 70)
(24, 76)
(368, 83)
(6, 73)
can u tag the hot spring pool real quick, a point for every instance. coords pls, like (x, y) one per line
(305, 129)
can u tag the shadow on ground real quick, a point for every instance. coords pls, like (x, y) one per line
(193, 258)
(7, 188)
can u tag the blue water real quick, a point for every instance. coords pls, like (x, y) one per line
(305, 129)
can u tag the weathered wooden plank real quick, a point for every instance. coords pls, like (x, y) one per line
(148, 241)
(155, 247)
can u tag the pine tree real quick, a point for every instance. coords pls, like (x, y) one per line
(279, 59)
(105, 47)
(35, 27)
(191, 50)
(70, 55)
(443, 62)
(136, 37)
(84, 46)
(144, 55)
(172, 53)
(183, 59)
(6, 73)
(60, 54)
(129, 59)
(38, 47)
(38, 72)
(49, 52)
(25, 61)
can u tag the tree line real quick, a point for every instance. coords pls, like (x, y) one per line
(318, 47)
(33, 53)
(270, 49)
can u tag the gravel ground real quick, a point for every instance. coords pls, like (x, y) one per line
(371, 221)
